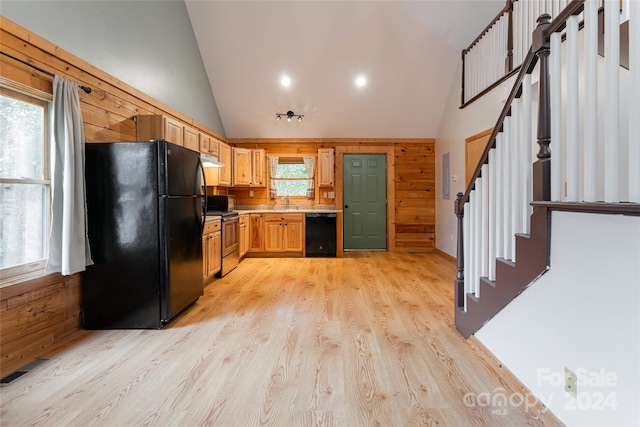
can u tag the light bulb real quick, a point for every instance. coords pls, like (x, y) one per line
(299, 118)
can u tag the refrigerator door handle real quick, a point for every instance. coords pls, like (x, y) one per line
(204, 207)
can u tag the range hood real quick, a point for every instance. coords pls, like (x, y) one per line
(210, 162)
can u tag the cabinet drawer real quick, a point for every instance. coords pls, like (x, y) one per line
(211, 226)
(243, 219)
(294, 217)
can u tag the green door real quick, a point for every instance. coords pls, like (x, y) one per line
(365, 201)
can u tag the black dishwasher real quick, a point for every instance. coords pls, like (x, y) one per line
(320, 235)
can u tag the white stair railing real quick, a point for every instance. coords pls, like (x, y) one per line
(589, 147)
(593, 104)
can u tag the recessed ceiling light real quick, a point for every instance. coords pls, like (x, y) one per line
(285, 81)
(361, 81)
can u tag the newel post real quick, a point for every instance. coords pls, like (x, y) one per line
(542, 167)
(459, 283)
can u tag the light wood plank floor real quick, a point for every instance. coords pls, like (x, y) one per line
(363, 340)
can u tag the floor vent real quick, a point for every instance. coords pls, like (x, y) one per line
(19, 373)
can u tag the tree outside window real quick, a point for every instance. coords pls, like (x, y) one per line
(24, 182)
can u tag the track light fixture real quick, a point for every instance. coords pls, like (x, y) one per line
(290, 115)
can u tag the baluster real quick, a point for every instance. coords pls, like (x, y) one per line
(611, 104)
(515, 175)
(466, 253)
(459, 290)
(590, 31)
(492, 214)
(527, 147)
(557, 180)
(509, 39)
(634, 101)
(473, 250)
(573, 172)
(484, 221)
(499, 192)
(507, 168)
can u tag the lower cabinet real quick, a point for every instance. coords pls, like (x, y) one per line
(243, 243)
(256, 232)
(211, 249)
(283, 232)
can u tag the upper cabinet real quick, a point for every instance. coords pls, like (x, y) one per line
(249, 167)
(258, 168)
(191, 138)
(325, 167)
(159, 127)
(224, 155)
(209, 145)
(241, 166)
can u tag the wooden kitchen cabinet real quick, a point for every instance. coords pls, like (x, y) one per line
(191, 138)
(150, 127)
(256, 233)
(283, 232)
(211, 249)
(241, 166)
(258, 168)
(208, 145)
(325, 167)
(243, 224)
(224, 173)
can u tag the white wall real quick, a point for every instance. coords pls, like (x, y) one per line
(148, 44)
(457, 125)
(583, 314)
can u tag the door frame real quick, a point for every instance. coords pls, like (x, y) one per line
(391, 193)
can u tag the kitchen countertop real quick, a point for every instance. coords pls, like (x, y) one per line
(301, 209)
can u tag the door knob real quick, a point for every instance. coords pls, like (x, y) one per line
(346, 206)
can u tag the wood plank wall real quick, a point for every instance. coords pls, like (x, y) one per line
(414, 189)
(42, 311)
(37, 313)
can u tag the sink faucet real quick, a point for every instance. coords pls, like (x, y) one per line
(286, 199)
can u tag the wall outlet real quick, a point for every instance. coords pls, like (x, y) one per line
(332, 195)
(251, 193)
(570, 382)
(324, 194)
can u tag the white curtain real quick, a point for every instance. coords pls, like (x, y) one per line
(273, 169)
(310, 164)
(68, 242)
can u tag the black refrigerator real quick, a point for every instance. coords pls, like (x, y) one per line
(145, 222)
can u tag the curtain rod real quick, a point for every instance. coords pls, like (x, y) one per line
(48, 73)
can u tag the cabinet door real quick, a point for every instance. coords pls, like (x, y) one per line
(173, 131)
(273, 236)
(293, 236)
(325, 167)
(258, 168)
(241, 166)
(191, 138)
(214, 251)
(243, 242)
(256, 235)
(225, 171)
(213, 147)
(204, 143)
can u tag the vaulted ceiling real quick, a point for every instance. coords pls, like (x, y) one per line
(408, 52)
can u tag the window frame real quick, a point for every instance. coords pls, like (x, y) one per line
(292, 160)
(36, 268)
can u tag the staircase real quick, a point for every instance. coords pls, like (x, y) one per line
(504, 216)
